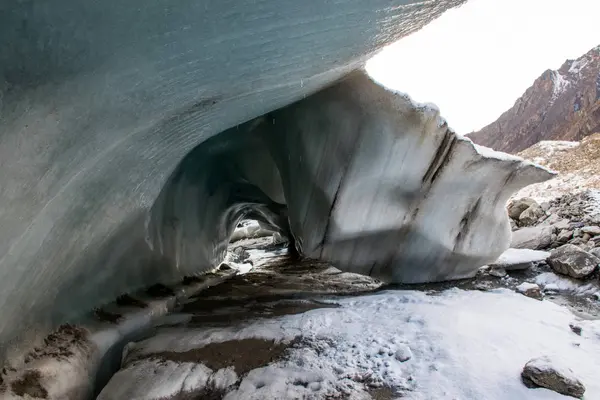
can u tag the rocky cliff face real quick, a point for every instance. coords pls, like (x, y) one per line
(560, 105)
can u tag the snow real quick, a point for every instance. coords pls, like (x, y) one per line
(499, 155)
(521, 256)
(552, 281)
(578, 65)
(464, 345)
(560, 84)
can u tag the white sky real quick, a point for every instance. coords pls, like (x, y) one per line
(476, 60)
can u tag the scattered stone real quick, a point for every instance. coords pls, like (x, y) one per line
(572, 261)
(516, 207)
(561, 224)
(498, 272)
(564, 236)
(530, 290)
(586, 237)
(531, 215)
(535, 238)
(543, 373)
(576, 329)
(577, 233)
(595, 252)
(591, 230)
(403, 353)
(545, 206)
(577, 241)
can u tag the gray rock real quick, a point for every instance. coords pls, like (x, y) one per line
(595, 252)
(564, 236)
(544, 373)
(586, 237)
(531, 215)
(577, 233)
(513, 224)
(535, 238)
(560, 224)
(591, 230)
(576, 241)
(516, 207)
(572, 261)
(498, 272)
(545, 206)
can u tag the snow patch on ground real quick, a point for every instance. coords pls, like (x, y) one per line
(554, 282)
(463, 345)
(521, 256)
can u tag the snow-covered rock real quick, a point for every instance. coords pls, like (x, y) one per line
(534, 238)
(515, 259)
(403, 353)
(573, 261)
(544, 372)
(530, 290)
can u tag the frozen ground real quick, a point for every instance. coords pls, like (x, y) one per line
(463, 345)
(310, 340)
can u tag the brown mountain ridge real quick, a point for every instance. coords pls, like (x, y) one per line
(560, 105)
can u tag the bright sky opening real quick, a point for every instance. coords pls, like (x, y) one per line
(476, 60)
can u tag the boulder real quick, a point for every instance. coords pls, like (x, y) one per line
(561, 224)
(572, 261)
(564, 236)
(535, 238)
(544, 373)
(531, 215)
(516, 207)
(591, 230)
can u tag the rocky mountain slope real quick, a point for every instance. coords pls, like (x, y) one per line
(576, 163)
(560, 105)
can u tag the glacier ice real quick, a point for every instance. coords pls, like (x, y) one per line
(134, 136)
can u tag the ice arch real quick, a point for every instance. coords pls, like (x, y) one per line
(101, 101)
